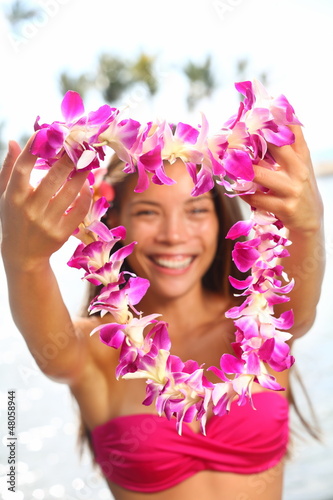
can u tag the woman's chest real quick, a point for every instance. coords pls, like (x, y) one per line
(205, 344)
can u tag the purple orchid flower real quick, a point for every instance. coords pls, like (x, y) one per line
(155, 340)
(180, 389)
(117, 301)
(114, 334)
(76, 136)
(84, 232)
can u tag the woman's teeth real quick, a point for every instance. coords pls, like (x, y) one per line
(173, 263)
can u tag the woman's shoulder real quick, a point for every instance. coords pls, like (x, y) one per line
(95, 388)
(100, 355)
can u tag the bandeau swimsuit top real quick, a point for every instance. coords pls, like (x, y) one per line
(144, 452)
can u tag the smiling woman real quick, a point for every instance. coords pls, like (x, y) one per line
(213, 206)
(184, 260)
(180, 234)
(177, 239)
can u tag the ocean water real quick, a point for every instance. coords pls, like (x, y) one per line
(47, 461)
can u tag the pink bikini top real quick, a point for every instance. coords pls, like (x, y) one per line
(144, 452)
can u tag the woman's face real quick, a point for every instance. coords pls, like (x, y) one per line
(176, 233)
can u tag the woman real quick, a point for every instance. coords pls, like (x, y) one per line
(140, 453)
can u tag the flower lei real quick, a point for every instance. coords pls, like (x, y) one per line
(227, 157)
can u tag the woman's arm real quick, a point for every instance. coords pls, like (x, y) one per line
(34, 226)
(294, 198)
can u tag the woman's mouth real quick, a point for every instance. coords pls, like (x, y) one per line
(172, 262)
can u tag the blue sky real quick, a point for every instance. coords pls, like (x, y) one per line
(291, 40)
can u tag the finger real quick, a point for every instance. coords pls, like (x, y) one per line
(8, 164)
(69, 193)
(20, 175)
(79, 209)
(265, 202)
(288, 159)
(278, 181)
(284, 155)
(300, 145)
(53, 180)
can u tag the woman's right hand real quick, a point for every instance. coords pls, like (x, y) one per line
(35, 222)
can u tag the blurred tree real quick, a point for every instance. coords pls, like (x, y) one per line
(143, 71)
(241, 67)
(116, 75)
(113, 77)
(79, 84)
(201, 80)
(18, 11)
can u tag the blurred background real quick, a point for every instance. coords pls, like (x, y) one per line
(173, 60)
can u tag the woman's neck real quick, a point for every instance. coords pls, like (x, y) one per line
(186, 312)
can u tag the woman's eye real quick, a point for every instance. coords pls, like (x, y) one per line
(144, 213)
(200, 210)
(196, 211)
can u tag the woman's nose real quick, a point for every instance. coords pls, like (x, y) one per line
(173, 229)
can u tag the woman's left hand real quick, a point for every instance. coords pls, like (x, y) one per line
(292, 195)
(294, 198)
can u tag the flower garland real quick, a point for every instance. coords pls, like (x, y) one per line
(227, 157)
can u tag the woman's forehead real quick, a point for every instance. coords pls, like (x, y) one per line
(146, 198)
(177, 193)
(181, 187)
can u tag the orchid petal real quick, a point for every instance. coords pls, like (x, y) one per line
(239, 165)
(86, 159)
(244, 256)
(72, 106)
(241, 228)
